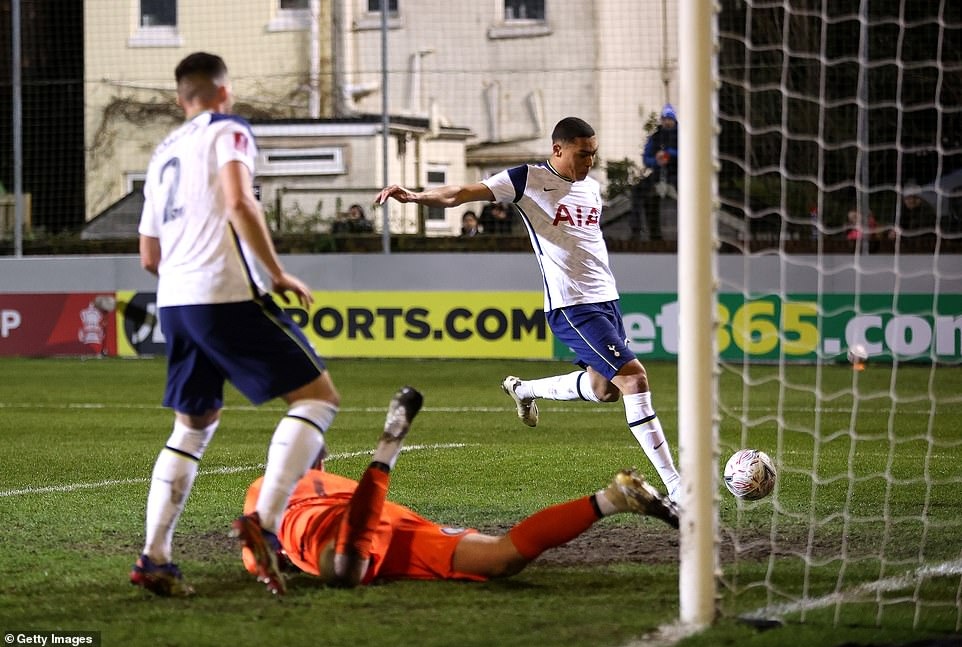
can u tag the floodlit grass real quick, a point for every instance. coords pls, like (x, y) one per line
(79, 439)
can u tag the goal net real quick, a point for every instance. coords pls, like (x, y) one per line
(839, 220)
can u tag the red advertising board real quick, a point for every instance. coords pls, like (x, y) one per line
(57, 324)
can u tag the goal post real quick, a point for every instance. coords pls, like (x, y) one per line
(696, 299)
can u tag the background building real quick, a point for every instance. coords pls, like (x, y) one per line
(496, 79)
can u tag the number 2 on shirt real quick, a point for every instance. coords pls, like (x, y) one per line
(171, 212)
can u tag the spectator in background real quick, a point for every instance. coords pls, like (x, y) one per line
(354, 222)
(469, 225)
(862, 233)
(916, 220)
(661, 160)
(495, 219)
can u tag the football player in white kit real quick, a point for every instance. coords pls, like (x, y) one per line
(561, 210)
(201, 231)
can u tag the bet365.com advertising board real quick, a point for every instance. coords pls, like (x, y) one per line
(918, 328)
(512, 325)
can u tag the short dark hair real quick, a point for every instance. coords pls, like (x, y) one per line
(571, 128)
(199, 73)
(201, 63)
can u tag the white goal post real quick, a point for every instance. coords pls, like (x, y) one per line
(696, 299)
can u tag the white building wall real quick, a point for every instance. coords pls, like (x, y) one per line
(129, 87)
(610, 62)
(605, 61)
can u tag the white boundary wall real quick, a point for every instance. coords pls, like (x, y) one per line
(636, 273)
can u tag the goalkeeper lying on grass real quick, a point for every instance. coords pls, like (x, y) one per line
(347, 533)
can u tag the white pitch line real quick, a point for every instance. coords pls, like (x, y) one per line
(894, 583)
(580, 408)
(671, 634)
(74, 487)
(42, 406)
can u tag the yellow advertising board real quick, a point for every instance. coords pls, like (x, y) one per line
(386, 324)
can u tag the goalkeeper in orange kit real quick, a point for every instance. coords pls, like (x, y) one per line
(347, 533)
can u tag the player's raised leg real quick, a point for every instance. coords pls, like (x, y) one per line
(508, 554)
(352, 547)
(585, 329)
(576, 385)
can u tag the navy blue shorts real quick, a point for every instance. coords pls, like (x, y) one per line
(253, 344)
(596, 334)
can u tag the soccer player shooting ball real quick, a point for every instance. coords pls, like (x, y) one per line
(560, 207)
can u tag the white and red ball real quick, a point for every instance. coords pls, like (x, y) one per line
(750, 474)
(857, 354)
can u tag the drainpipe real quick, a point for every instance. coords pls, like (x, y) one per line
(314, 104)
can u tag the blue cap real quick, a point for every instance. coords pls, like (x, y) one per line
(668, 112)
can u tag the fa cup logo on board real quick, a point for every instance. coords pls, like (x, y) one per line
(92, 331)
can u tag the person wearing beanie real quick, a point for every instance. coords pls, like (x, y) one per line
(661, 159)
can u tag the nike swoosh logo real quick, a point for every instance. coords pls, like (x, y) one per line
(659, 445)
(551, 189)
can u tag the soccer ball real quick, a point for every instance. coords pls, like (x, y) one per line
(858, 355)
(750, 474)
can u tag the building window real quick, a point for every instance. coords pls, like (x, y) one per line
(322, 160)
(134, 182)
(156, 25)
(436, 176)
(371, 19)
(374, 6)
(523, 10)
(158, 13)
(521, 19)
(290, 15)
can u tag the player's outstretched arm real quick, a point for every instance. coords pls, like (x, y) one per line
(451, 195)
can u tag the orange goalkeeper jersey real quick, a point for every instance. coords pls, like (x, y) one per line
(405, 545)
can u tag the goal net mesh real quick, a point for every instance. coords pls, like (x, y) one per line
(839, 225)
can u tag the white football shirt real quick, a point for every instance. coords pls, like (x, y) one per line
(202, 259)
(563, 219)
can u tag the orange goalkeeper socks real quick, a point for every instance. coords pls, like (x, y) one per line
(363, 515)
(553, 526)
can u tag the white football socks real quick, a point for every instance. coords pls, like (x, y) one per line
(297, 441)
(170, 484)
(571, 386)
(646, 428)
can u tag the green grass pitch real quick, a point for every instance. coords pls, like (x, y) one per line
(78, 440)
